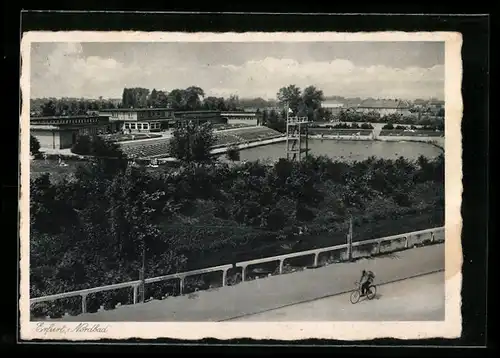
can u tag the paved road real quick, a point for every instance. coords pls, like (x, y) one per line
(417, 299)
(277, 291)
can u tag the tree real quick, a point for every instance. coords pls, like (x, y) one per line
(161, 100)
(135, 97)
(274, 121)
(192, 143)
(49, 109)
(214, 103)
(34, 145)
(176, 99)
(82, 146)
(153, 98)
(312, 98)
(192, 98)
(290, 95)
(233, 154)
(233, 103)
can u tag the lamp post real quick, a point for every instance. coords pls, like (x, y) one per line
(349, 240)
(143, 271)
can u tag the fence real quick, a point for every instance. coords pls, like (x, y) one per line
(356, 250)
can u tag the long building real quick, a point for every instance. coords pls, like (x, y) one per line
(199, 117)
(62, 132)
(156, 119)
(139, 119)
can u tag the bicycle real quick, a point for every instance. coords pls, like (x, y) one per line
(356, 294)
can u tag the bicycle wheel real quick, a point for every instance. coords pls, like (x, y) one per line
(355, 295)
(372, 291)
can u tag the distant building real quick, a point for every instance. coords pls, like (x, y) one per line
(199, 117)
(156, 119)
(246, 117)
(383, 107)
(62, 132)
(332, 106)
(139, 119)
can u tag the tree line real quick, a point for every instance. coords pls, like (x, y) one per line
(69, 106)
(189, 99)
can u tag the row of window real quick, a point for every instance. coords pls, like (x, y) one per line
(89, 131)
(142, 114)
(142, 126)
(152, 114)
(68, 121)
(128, 115)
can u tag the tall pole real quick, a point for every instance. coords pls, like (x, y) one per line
(349, 240)
(143, 271)
(287, 132)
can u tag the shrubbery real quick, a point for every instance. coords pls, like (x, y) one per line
(233, 154)
(34, 145)
(345, 126)
(89, 231)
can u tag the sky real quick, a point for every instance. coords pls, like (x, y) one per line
(406, 70)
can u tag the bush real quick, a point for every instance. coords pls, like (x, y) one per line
(192, 142)
(366, 126)
(388, 126)
(203, 214)
(34, 145)
(233, 154)
(82, 146)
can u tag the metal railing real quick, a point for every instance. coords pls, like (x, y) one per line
(406, 240)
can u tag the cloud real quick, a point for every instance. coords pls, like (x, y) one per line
(337, 77)
(65, 70)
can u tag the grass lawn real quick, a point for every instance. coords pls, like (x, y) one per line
(40, 166)
(51, 166)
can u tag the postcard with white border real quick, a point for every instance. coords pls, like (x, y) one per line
(277, 186)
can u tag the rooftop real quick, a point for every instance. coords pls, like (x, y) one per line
(135, 109)
(195, 112)
(378, 103)
(52, 118)
(332, 103)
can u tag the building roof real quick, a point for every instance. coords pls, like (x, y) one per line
(378, 104)
(135, 109)
(196, 112)
(51, 118)
(332, 103)
(242, 114)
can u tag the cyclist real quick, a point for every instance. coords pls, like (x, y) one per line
(366, 280)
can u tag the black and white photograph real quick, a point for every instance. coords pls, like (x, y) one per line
(240, 185)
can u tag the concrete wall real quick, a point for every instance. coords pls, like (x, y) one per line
(66, 139)
(45, 137)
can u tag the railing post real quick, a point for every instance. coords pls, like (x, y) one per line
(243, 273)
(432, 236)
(84, 303)
(282, 264)
(379, 244)
(224, 277)
(136, 293)
(316, 256)
(181, 285)
(406, 242)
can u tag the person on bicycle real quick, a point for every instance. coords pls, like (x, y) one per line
(366, 280)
